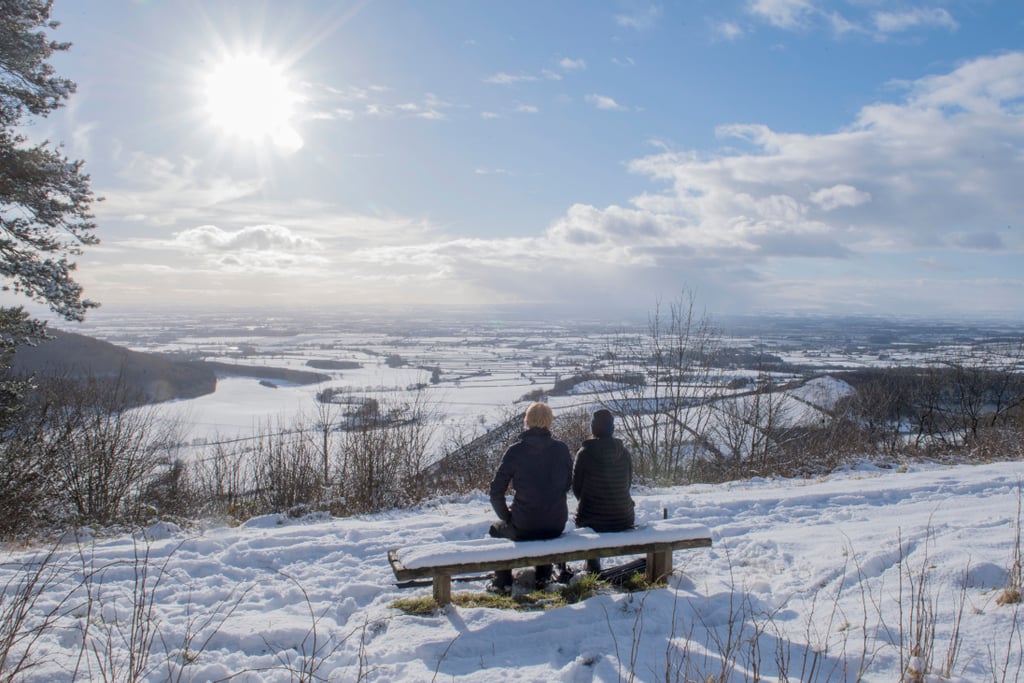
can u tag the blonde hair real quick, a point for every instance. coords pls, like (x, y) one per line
(538, 415)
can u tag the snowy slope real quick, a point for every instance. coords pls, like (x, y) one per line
(802, 562)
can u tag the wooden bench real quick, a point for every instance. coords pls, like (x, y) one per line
(441, 561)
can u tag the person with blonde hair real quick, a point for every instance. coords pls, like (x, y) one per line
(539, 468)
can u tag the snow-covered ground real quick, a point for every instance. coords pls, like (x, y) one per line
(818, 574)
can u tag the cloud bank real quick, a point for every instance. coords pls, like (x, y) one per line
(885, 212)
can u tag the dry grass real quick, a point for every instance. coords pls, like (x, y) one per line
(1009, 596)
(579, 590)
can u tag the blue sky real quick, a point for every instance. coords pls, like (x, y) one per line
(791, 156)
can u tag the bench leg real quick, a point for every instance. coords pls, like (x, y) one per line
(442, 590)
(659, 565)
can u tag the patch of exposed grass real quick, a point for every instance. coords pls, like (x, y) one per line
(579, 590)
(638, 582)
(1009, 596)
(537, 600)
(587, 586)
(415, 606)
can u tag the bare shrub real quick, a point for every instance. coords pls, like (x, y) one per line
(119, 630)
(1011, 595)
(199, 631)
(171, 492)
(286, 469)
(315, 646)
(24, 485)
(383, 452)
(224, 481)
(23, 621)
(572, 427)
(471, 457)
(81, 453)
(993, 444)
(1006, 662)
(108, 455)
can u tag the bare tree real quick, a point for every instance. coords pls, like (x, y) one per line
(660, 384)
(986, 384)
(878, 408)
(327, 415)
(743, 428)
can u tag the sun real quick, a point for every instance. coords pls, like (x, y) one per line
(250, 98)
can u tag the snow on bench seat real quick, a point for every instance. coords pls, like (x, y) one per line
(441, 561)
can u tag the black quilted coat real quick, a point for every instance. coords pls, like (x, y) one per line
(600, 481)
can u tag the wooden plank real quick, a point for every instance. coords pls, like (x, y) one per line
(403, 573)
(659, 564)
(396, 564)
(442, 589)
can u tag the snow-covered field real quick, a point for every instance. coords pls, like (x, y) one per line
(819, 575)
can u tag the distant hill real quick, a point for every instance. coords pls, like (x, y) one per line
(151, 376)
(263, 372)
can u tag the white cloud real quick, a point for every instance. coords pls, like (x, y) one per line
(936, 264)
(921, 17)
(989, 84)
(161, 191)
(982, 240)
(641, 19)
(938, 168)
(250, 238)
(338, 113)
(429, 107)
(503, 78)
(935, 170)
(795, 15)
(567, 64)
(328, 103)
(728, 30)
(527, 108)
(841, 25)
(787, 14)
(604, 102)
(829, 198)
(269, 248)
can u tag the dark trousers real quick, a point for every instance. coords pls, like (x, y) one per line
(503, 577)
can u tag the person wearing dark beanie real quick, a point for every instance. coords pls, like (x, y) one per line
(602, 425)
(601, 478)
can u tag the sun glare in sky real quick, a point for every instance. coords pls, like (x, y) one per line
(250, 98)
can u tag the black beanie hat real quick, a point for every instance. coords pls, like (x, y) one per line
(603, 423)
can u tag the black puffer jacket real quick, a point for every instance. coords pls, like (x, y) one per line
(539, 468)
(600, 481)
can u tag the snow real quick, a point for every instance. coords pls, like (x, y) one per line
(816, 567)
(572, 539)
(823, 392)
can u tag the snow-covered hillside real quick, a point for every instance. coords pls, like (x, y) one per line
(815, 578)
